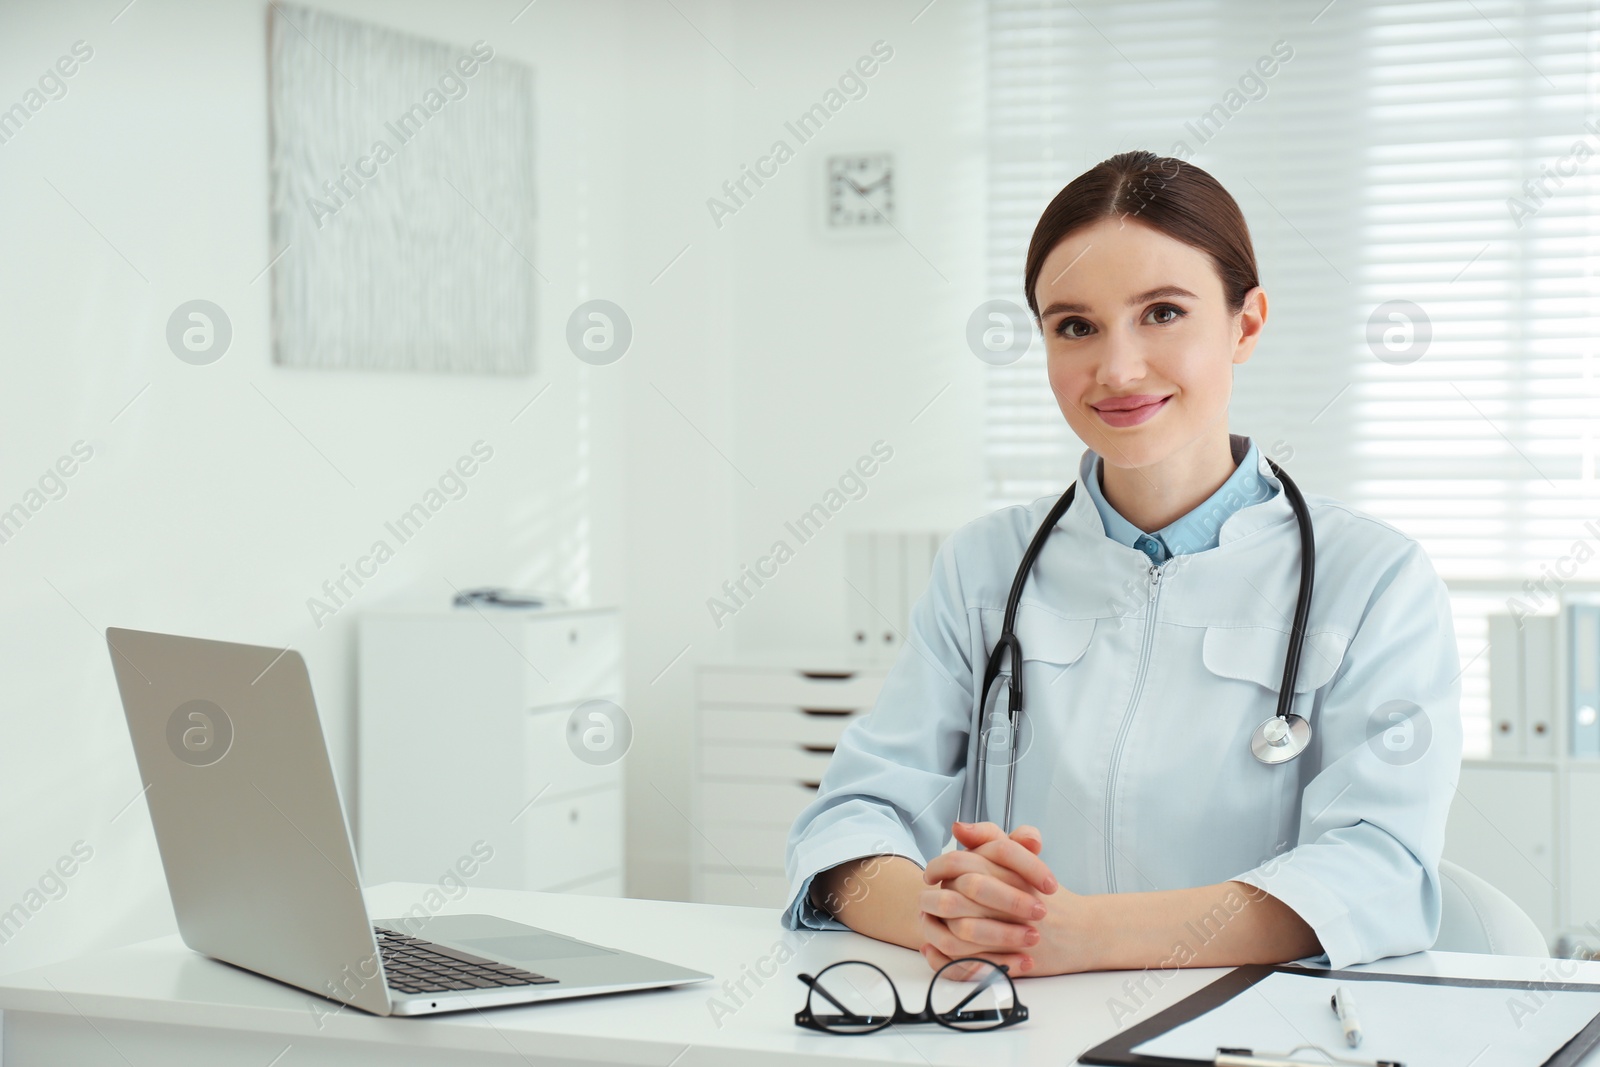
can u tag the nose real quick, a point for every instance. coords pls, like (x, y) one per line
(1121, 362)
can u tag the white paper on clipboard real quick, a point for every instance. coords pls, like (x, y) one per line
(1421, 1025)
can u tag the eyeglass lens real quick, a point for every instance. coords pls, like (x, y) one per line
(978, 1002)
(856, 997)
(852, 998)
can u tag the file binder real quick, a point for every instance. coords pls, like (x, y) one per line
(1583, 671)
(1506, 722)
(1525, 690)
(1541, 701)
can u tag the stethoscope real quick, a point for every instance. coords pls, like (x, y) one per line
(1278, 740)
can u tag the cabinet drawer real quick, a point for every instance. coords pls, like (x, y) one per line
(750, 889)
(571, 657)
(553, 767)
(851, 690)
(797, 726)
(573, 840)
(727, 760)
(769, 803)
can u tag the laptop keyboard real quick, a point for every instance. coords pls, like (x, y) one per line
(412, 965)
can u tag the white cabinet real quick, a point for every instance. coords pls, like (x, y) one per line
(1503, 828)
(1531, 828)
(465, 739)
(1580, 889)
(765, 733)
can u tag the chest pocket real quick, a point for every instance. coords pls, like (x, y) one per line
(1049, 638)
(1256, 654)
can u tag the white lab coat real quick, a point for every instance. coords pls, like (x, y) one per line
(1143, 687)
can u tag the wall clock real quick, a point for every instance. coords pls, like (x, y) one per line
(861, 191)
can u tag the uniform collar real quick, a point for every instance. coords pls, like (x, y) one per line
(1249, 486)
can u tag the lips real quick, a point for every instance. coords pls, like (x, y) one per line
(1128, 403)
(1130, 410)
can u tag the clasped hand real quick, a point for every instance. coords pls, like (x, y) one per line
(995, 899)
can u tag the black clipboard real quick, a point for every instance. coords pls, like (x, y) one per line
(1118, 1050)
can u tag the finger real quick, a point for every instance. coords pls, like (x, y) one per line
(1029, 838)
(1007, 901)
(996, 934)
(961, 972)
(999, 890)
(940, 963)
(1008, 853)
(1012, 900)
(973, 834)
(965, 971)
(950, 903)
(939, 936)
(949, 866)
(1017, 856)
(947, 903)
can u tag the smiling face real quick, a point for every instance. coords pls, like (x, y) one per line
(1135, 319)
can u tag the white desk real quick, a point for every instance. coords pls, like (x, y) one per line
(157, 1003)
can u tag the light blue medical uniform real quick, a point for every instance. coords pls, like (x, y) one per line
(1144, 681)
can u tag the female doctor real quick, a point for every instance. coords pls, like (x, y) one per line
(1171, 810)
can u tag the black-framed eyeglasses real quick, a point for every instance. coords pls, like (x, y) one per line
(856, 997)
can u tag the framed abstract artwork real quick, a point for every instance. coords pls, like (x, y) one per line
(402, 194)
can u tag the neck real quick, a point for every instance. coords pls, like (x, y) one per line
(1157, 495)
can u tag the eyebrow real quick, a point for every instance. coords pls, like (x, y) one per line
(1139, 298)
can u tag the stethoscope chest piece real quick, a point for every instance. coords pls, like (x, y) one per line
(1280, 739)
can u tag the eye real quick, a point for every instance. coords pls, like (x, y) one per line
(1064, 327)
(1177, 311)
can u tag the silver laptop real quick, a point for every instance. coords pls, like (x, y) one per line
(258, 856)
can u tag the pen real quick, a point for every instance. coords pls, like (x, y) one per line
(1345, 1008)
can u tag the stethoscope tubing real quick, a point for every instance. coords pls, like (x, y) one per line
(1009, 644)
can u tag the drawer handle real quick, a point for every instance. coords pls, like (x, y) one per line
(826, 711)
(828, 676)
(818, 748)
(807, 783)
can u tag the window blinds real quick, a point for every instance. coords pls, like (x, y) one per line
(1435, 161)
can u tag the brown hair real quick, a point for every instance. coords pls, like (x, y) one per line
(1175, 197)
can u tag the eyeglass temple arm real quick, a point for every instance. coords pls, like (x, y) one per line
(815, 988)
(985, 984)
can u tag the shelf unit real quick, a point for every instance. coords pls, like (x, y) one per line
(464, 721)
(766, 729)
(1529, 826)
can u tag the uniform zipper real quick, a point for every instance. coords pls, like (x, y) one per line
(1127, 720)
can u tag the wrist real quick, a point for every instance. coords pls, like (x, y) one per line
(1085, 931)
(873, 895)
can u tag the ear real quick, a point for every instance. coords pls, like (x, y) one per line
(1249, 323)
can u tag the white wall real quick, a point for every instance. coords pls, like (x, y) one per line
(219, 498)
(841, 343)
(830, 345)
